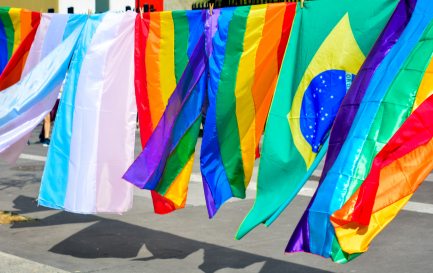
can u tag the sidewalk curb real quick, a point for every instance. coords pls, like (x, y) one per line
(12, 264)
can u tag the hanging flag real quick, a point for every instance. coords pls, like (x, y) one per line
(57, 166)
(243, 68)
(15, 25)
(163, 45)
(101, 141)
(350, 105)
(26, 103)
(174, 181)
(165, 41)
(413, 131)
(58, 28)
(390, 96)
(182, 111)
(397, 172)
(323, 56)
(171, 179)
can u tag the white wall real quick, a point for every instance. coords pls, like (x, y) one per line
(80, 6)
(119, 5)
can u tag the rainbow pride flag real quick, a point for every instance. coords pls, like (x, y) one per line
(397, 172)
(168, 145)
(163, 46)
(257, 46)
(164, 43)
(244, 66)
(322, 58)
(15, 25)
(386, 104)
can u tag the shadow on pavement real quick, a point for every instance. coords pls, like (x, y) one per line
(19, 181)
(108, 238)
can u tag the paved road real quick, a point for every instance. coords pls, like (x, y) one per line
(186, 241)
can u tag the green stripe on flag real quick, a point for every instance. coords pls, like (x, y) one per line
(227, 126)
(9, 29)
(179, 157)
(181, 37)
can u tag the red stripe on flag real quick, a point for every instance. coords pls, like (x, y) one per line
(289, 16)
(161, 205)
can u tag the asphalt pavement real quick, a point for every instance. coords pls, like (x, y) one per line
(186, 240)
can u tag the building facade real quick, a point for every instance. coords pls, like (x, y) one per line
(61, 6)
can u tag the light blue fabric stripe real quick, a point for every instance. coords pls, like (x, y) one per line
(74, 21)
(38, 84)
(55, 177)
(331, 194)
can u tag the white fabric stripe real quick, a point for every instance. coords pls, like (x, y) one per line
(54, 34)
(35, 52)
(102, 146)
(117, 122)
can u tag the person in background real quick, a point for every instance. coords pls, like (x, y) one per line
(44, 136)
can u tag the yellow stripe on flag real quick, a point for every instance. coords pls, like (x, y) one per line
(166, 55)
(245, 110)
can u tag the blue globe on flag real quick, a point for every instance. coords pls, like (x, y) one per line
(320, 104)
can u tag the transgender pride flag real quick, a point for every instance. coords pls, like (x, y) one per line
(26, 103)
(93, 139)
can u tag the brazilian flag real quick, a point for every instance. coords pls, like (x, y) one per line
(328, 44)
